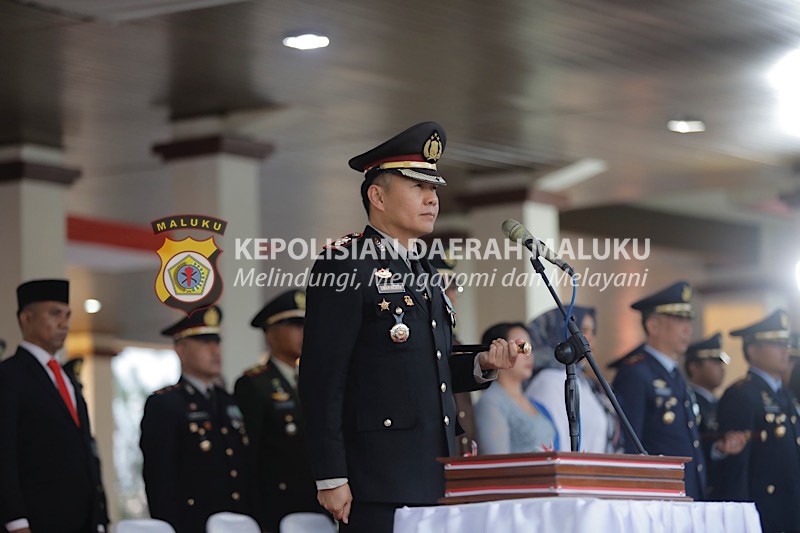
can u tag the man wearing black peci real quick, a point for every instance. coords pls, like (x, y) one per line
(49, 469)
(377, 378)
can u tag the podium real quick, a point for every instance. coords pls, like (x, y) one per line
(484, 478)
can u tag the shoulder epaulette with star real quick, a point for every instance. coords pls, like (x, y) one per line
(345, 240)
(634, 359)
(741, 382)
(169, 388)
(256, 370)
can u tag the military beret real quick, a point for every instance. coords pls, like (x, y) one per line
(290, 305)
(710, 348)
(201, 323)
(675, 300)
(412, 153)
(42, 290)
(773, 328)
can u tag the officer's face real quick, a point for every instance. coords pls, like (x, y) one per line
(409, 207)
(285, 341)
(45, 324)
(670, 334)
(709, 373)
(200, 357)
(771, 357)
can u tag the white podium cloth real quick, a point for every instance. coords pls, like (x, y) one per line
(580, 515)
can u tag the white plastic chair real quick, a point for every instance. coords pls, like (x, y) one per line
(226, 522)
(307, 523)
(143, 525)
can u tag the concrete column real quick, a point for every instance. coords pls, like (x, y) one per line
(219, 176)
(33, 190)
(517, 293)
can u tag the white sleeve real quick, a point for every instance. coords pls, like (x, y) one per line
(547, 388)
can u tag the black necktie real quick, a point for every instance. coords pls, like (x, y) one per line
(420, 280)
(212, 400)
(786, 402)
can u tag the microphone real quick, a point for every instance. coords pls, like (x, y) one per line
(518, 233)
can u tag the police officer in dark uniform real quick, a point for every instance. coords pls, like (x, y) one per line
(268, 397)
(705, 368)
(465, 442)
(651, 390)
(791, 377)
(377, 379)
(767, 470)
(196, 456)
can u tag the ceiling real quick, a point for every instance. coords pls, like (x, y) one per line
(520, 86)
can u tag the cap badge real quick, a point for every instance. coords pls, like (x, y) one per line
(211, 317)
(784, 321)
(300, 300)
(686, 295)
(432, 150)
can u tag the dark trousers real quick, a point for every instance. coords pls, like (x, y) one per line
(370, 517)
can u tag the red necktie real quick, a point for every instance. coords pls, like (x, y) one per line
(62, 389)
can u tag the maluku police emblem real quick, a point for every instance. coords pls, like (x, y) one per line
(188, 278)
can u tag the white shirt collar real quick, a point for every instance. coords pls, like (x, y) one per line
(286, 370)
(38, 352)
(666, 361)
(704, 392)
(201, 387)
(774, 383)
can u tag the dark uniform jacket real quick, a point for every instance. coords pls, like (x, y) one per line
(196, 458)
(663, 414)
(466, 419)
(708, 429)
(49, 469)
(277, 432)
(379, 412)
(767, 471)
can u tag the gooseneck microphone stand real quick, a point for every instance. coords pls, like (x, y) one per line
(569, 353)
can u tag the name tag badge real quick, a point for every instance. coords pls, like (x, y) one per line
(390, 288)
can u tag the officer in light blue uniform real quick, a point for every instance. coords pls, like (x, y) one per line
(653, 393)
(767, 470)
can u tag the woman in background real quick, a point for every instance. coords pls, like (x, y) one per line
(507, 421)
(601, 431)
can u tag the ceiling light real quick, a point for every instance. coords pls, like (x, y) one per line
(92, 306)
(686, 126)
(306, 41)
(785, 75)
(797, 274)
(785, 79)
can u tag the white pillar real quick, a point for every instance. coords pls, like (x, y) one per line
(517, 294)
(33, 190)
(220, 177)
